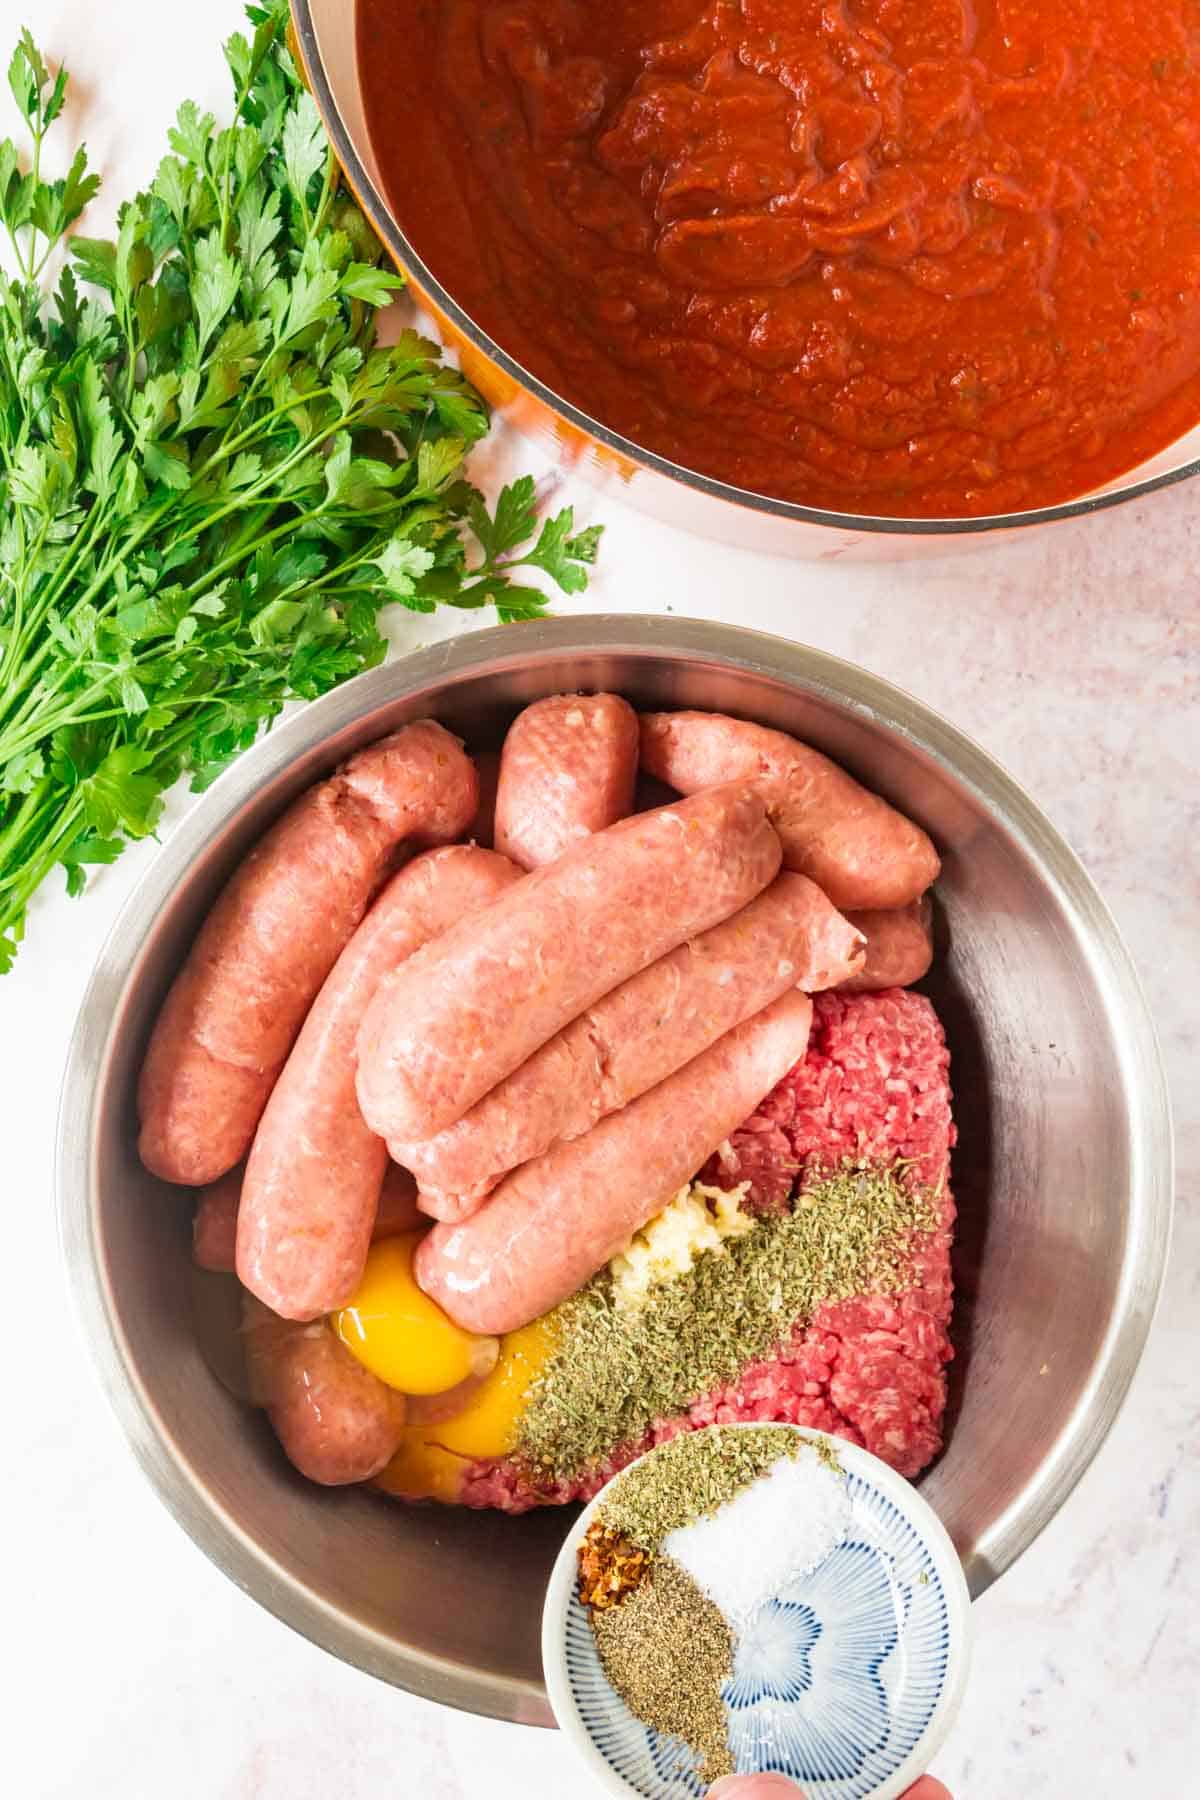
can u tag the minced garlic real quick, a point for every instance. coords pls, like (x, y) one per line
(697, 1220)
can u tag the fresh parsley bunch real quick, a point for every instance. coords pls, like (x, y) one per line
(212, 479)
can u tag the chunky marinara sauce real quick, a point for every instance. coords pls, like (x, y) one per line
(923, 257)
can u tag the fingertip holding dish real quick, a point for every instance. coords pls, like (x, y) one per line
(846, 1680)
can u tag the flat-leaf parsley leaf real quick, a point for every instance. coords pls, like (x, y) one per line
(212, 477)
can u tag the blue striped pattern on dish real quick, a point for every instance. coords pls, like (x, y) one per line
(834, 1684)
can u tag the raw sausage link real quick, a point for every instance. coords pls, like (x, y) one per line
(567, 770)
(466, 1011)
(635, 1037)
(214, 1224)
(849, 841)
(337, 1422)
(551, 1225)
(312, 1184)
(273, 936)
(899, 947)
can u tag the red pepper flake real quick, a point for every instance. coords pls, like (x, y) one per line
(610, 1567)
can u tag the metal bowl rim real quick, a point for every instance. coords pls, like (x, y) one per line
(406, 255)
(813, 672)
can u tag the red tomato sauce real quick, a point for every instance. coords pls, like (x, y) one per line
(911, 257)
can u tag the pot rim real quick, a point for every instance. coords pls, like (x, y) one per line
(408, 259)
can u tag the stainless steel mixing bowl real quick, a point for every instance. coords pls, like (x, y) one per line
(325, 35)
(1063, 1171)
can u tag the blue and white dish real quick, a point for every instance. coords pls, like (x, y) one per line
(847, 1681)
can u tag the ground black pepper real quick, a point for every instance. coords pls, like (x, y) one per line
(667, 1650)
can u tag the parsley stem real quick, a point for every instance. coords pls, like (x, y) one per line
(37, 658)
(27, 805)
(80, 543)
(18, 258)
(39, 132)
(227, 321)
(229, 448)
(73, 712)
(328, 186)
(106, 574)
(25, 880)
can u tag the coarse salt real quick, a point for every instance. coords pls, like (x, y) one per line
(780, 1527)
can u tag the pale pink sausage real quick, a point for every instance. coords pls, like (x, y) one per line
(197, 1112)
(273, 935)
(554, 1223)
(466, 1011)
(214, 1224)
(629, 1041)
(566, 771)
(850, 842)
(337, 1422)
(899, 947)
(312, 1183)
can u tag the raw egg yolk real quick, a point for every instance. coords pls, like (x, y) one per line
(431, 1459)
(399, 1333)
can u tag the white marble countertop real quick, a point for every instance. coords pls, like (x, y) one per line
(1074, 657)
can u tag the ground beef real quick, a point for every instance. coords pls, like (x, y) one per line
(874, 1084)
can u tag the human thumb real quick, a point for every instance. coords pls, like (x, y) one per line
(778, 1787)
(754, 1787)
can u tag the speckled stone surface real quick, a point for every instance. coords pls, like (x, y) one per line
(1074, 657)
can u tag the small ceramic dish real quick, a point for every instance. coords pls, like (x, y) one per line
(848, 1680)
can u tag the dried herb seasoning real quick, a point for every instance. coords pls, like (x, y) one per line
(667, 1650)
(827, 1453)
(616, 1370)
(690, 1477)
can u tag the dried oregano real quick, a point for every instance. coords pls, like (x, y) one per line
(616, 1371)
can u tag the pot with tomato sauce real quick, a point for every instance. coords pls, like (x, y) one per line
(909, 260)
